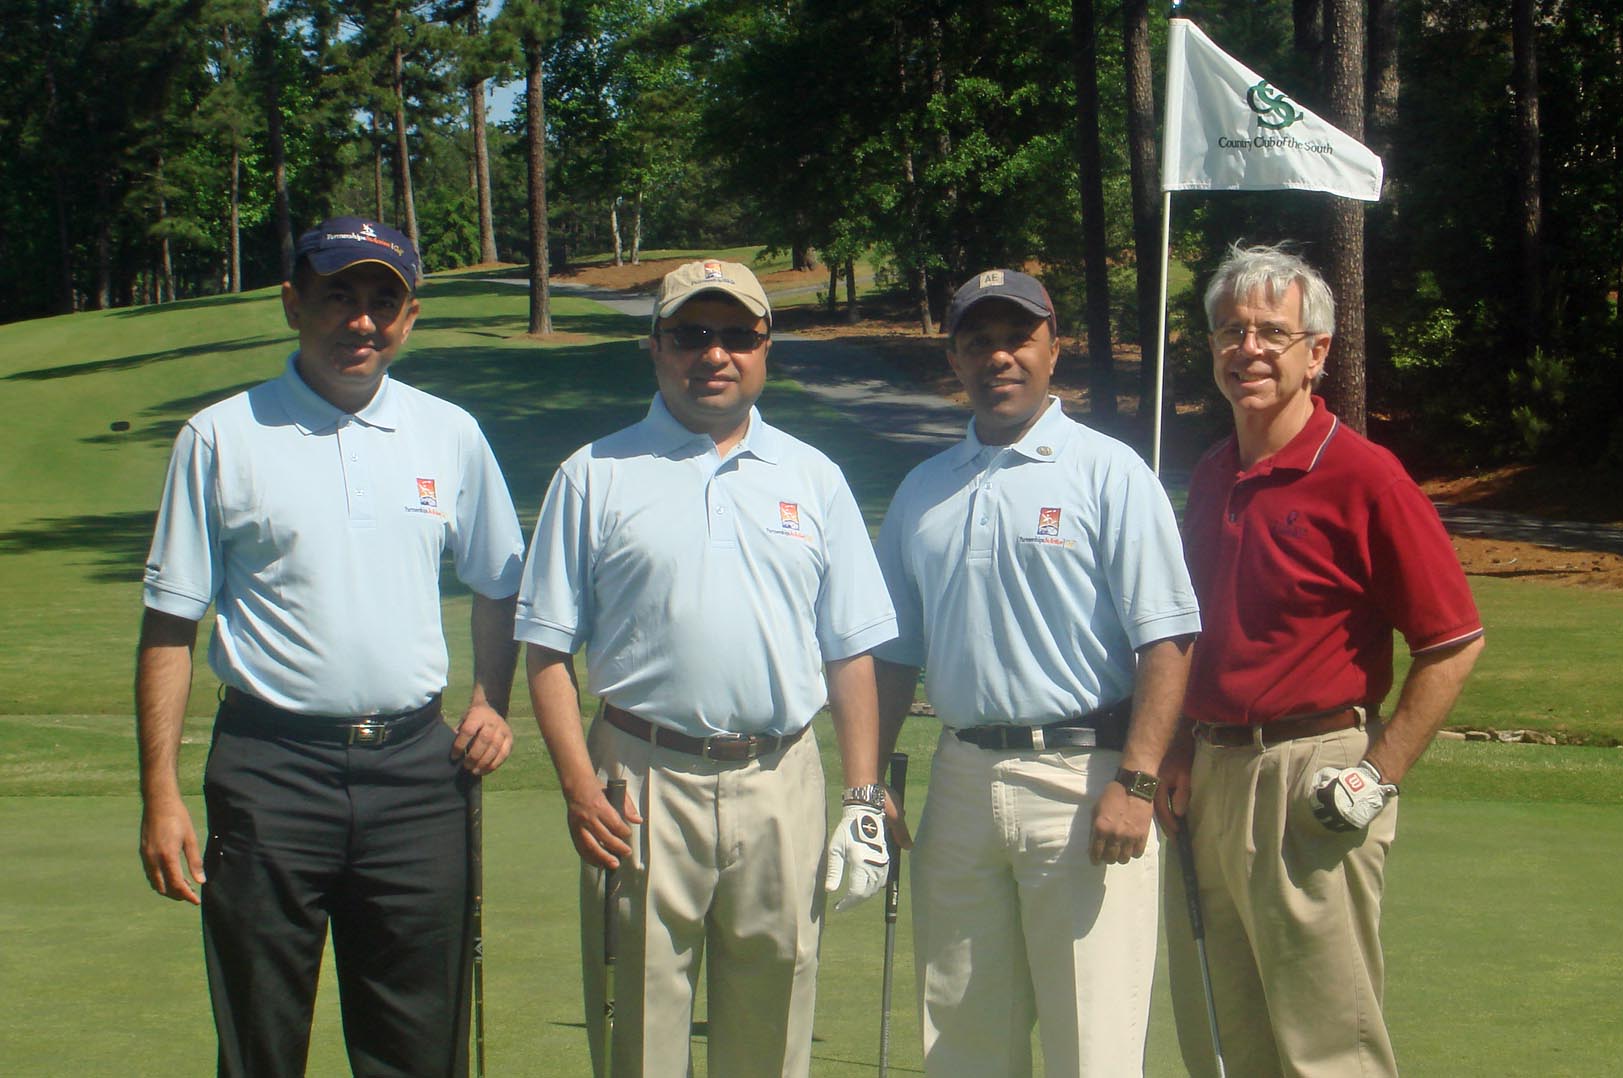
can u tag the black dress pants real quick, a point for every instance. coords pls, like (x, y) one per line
(371, 840)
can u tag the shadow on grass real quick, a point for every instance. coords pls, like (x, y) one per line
(124, 363)
(117, 542)
(252, 296)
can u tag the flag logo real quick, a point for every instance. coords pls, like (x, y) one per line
(1048, 521)
(789, 516)
(425, 493)
(1268, 102)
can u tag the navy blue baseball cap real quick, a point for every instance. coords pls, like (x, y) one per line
(341, 242)
(1021, 289)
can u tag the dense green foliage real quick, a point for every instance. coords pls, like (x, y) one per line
(937, 137)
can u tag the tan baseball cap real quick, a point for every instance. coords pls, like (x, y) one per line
(711, 275)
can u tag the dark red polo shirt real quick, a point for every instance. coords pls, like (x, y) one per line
(1304, 564)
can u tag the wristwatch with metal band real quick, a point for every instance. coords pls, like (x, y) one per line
(872, 795)
(1139, 784)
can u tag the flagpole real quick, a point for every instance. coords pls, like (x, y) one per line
(1161, 329)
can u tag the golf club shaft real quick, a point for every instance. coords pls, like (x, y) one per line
(616, 794)
(476, 885)
(1197, 927)
(893, 893)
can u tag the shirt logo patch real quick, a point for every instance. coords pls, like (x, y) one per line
(425, 493)
(1048, 522)
(789, 516)
(1288, 528)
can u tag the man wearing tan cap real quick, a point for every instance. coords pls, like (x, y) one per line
(719, 576)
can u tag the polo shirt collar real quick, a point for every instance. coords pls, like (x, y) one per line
(666, 434)
(1051, 432)
(313, 414)
(1303, 452)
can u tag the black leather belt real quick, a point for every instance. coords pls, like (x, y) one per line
(1104, 728)
(251, 715)
(729, 748)
(1262, 735)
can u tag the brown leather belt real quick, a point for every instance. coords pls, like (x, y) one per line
(1233, 735)
(251, 715)
(1104, 728)
(727, 748)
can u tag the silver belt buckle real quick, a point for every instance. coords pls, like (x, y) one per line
(370, 732)
(1038, 742)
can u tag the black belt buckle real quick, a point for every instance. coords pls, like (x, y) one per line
(369, 732)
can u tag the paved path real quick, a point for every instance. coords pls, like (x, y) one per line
(844, 375)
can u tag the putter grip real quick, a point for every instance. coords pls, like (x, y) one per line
(1191, 886)
(898, 786)
(615, 791)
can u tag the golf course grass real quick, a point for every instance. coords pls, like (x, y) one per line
(1501, 922)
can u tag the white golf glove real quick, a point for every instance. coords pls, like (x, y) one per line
(858, 842)
(1348, 798)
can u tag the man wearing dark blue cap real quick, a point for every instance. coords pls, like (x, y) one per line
(1039, 582)
(311, 512)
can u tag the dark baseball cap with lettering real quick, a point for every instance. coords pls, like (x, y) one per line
(341, 242)
(1021, 289)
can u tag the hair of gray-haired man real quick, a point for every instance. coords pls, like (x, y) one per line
(1270, 271)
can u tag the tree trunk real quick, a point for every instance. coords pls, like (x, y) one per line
(402, 149)
(636, 230)
(800, 256)
(377, 170)
(64, 246)
(1095, 265)
(614, 229)
(270, 83)
(104, 245)
(1383, 78)
(1344, 384)
(833, 284)
(536, 116)
(1529, 300)
(1135, 36)
(852, 312)
(233, 242)
(481, 167)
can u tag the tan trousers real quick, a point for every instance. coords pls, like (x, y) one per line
(1013, 925)
(1292, 914)
(727, 869)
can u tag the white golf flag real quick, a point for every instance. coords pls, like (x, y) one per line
(1229, 129)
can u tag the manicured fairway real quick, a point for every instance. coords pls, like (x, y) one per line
(1502, 927)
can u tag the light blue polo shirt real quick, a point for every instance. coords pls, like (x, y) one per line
(317, 535)
(708, 591)
(1025, 576)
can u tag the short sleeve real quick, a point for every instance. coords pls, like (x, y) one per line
(554, 606)
(183, 569)
(908, 648)
(854, 613)
(490, 544)
(1142, 556)
(1415, 577)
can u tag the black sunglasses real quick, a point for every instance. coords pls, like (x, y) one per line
(732, 338)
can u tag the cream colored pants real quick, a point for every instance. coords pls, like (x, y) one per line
(1012, 924)
(726, 870)
(1292, 915)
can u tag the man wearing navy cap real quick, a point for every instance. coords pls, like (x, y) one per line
(1038, 581)
(719, 577)
(312, 511)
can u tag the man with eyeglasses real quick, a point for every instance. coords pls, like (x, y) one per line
(719, 575)
(1038, 582)
(1308, 545)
